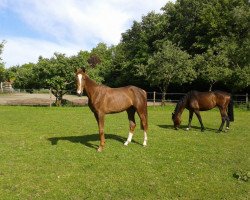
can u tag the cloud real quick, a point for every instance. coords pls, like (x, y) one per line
(73, 23)
(3, 3)
(18, 51)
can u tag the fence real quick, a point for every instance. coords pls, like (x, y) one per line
(154, 98)
(6, 87)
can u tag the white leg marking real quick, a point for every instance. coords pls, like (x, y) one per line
(187, 129)
(80, 83)
(145, 139)
(130, 135)
(227, 128)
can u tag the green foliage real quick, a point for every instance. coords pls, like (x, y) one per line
(197, 25)
(212, 67)
(54, 73)
(169, 65)
(240, 78)
(24, 77)
(103, 58)
(2, 70)
(10, 73)
(2, 74)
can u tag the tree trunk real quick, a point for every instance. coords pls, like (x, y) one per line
(59, 96)
(164, 92)
(210, 87)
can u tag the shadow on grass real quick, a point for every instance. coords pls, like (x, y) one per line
(87, 139)
(183, 127)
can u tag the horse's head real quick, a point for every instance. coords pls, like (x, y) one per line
(177, 120)
(80, 80)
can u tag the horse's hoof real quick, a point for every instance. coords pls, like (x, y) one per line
(187, 129)
(202, 130)
(100, 149)
(144, 144)
(227, 128)
(126, 143)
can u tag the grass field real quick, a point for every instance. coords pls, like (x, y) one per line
(50, 153)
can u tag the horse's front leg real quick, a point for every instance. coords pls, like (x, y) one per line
(100, 121)
(132, 125)
(200, 120)
(190, 119)
(227, 123)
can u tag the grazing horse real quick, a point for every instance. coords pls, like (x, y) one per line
(196, 101)
(105, 100)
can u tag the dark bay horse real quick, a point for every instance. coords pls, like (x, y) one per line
(105, 100)
(196, 101)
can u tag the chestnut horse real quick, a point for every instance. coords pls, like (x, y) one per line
(105, 100)
(196, 101)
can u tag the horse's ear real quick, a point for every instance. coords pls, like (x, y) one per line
(83, 69)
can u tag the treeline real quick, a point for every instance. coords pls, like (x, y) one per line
(191, 44)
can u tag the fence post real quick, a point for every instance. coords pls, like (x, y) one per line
(154, 99)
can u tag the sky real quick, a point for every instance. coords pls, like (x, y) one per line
(33, 28)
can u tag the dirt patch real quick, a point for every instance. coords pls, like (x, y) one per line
(38, 99)
(45, 100)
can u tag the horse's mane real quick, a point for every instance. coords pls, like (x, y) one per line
(182, 102)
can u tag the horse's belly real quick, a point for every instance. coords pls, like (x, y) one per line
(114, 106)
(198, 105)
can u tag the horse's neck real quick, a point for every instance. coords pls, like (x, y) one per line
(90, 86)
(181, 106)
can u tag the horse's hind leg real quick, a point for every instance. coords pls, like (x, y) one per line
(132, 124)
(224, 118)
(144, 125)
(227, 123)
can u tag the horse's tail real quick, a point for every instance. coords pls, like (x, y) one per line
(230, 110)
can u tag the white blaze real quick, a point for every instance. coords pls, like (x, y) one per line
(79, 89)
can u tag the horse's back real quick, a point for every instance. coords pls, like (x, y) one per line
(222, 98)
(208, 100)
(202, 100)
(114, 100)
(138, 95)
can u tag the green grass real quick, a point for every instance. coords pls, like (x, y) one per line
(50, 153)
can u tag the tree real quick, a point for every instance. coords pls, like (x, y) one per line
(240, 79)
(168, 65)
(55, 73)
(2, 70)
(197, 25)
(101, 61)
(137, 45)
(24, 76)
(212, 67)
